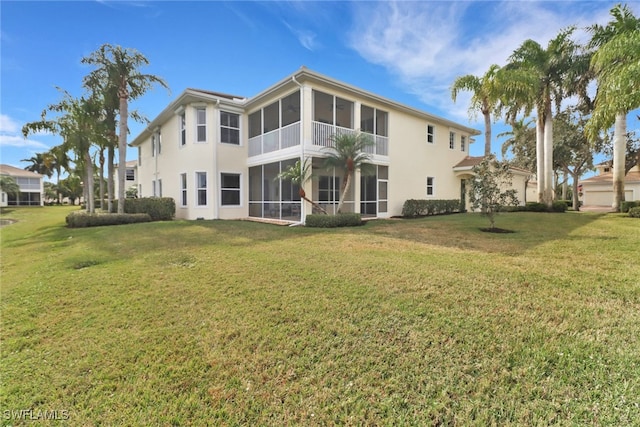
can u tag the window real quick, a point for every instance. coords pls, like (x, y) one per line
(230, 189)
(139, 156)
(431, 134)
(452, 140)
(183, 130)
(159, 143)
(329, 189)
(373, 121)
(201, 188)
(201, 124)
(463, 143)
(153, 145)
(159, 188)
(229, 128)
(430, 186)
(183, 189)
(131, 174)
(154, 189)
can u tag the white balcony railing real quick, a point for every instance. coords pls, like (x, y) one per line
(288, 136)
(323, 132)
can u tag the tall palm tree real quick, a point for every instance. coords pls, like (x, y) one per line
(616, 63)
(300, 173)
(522, 143)
(79, 125)
(60, 161)
(537, 79)
(118, 70)
(486, 95)
(348, 152)
(41, 163)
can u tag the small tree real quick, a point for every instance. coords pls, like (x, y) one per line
(8, 185)
(488, 190)
(300, 173)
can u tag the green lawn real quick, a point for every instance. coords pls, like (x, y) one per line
(399, 322)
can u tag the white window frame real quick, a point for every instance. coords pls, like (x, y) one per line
(184, 196)
(239, 189)
(431, 186)
(431, 136)
(224, 126)
(199, 125)
(452, 140)
(198, 189)
(182, 136)
(153, 145)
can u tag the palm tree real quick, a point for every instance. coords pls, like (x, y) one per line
(537, 78)
(8, 185)
(118, 70)
(522, 143)
(300, 173)
(80, 126)
(348, 152)
(41, 163)
(486, 94)
(615, 63)
(60, 161)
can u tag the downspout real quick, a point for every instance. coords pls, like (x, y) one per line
(216, 197)
(302, 143)
(156, 136)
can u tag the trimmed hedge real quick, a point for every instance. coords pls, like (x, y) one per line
(159, 208)
(81, 219)
(557, 206)
(626, 205)
(634, 212)
(418, 207)
(332, 221)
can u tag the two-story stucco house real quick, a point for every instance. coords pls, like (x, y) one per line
(219, 155)
(30, 184)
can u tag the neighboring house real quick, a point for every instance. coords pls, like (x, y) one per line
(219, 155)
(31, 187)
(131, 178)
(519, 179)
(598, 190)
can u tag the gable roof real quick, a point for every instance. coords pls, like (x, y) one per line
(17, 172)
(607, 178)
(191, 95)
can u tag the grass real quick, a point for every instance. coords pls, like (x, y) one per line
(399, 322)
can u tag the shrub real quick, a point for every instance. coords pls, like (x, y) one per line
(536, 207)
(331, 221)
(559, 206)
(81, 219)
(625, 206)
(634, 212)
(417, 207)
(159, 208)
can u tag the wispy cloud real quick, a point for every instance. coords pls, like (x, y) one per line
(307, 38)
(10, 135)
(426, 45)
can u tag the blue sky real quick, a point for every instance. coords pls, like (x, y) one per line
(406, 51)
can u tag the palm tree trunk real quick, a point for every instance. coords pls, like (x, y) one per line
(110, 172)
(89, 202)
(347, 184)
(122, 143)
(101, 177)
(540, 176)
(619, 148)
(487, 133)
(548, 159)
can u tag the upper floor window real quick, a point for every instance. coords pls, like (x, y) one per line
(139, 156)
(373, 121)
(131, 174)
(229, 128)
(276, 115)
(452, 140)
(201, 125)
(463, 143)
(183, 129)
(332, 110)
(153, 145)
(431, 134)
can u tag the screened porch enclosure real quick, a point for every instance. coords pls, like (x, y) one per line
(272, 197)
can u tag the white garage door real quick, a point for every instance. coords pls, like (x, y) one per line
(598, 198)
